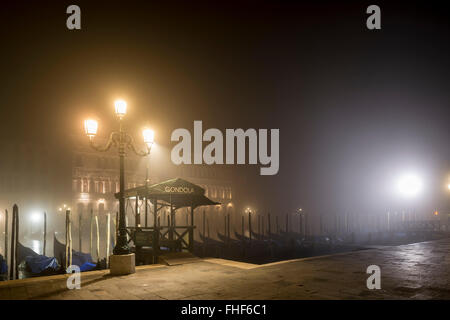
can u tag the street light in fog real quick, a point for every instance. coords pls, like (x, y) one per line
(35, 218)
(122, 140)
(409, 185)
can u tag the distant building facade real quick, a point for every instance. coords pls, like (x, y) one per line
(95, 179)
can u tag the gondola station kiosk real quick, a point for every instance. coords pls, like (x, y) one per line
(150, 236)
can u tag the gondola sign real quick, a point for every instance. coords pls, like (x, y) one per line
(178, 189)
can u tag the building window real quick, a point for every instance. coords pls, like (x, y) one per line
(85, 188)
(91, 186)
(78, 161)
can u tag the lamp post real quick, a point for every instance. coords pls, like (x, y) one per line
(122, 140)
(300, 216)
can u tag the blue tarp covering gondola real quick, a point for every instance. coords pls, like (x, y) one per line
(80, 259)
(35, 263)
(3, 266)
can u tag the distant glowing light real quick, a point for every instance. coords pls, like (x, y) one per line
(448, 186)
(409, 185)
(90, 127)
(35, 217)
(436, 213)
(120, 107)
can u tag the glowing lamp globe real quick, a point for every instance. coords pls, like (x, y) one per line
(90, 127)
(149, 136)
(120, 107)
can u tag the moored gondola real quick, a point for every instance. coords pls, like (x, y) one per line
(82, 260)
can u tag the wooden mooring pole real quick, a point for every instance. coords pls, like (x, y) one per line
(224, 225)
(16, 252)
(6, 236)
(262, 227)
(98, 238)
(191, 231)
(91, 227)
(108, 235)
(228, 235)
(204, 224)
(13, 235)
(276, 224)
(45, 233)
(250, 226)
(204, 230)
(242, 226)
(259, 226)
(68, 261)
(80, 216)
(14, 229)
(287, 223)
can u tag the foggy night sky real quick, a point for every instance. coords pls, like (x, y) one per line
(354, 107)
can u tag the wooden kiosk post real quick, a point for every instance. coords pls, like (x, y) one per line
(191, 231)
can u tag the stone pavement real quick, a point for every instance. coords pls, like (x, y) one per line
(414, 271)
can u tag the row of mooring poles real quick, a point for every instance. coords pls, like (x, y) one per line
(267, 228)
(13, 273)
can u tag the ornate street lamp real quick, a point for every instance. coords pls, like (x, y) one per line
(122, 140)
